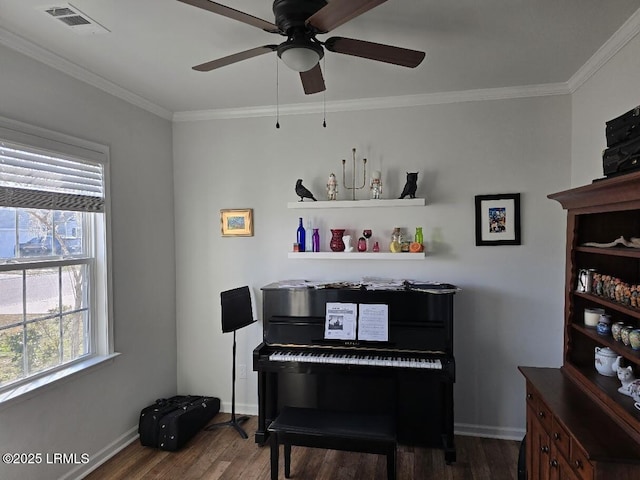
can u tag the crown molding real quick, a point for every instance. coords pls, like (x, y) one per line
(377, 103)
(42, 55)
(619, 39)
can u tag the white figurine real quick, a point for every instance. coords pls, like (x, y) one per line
(347, 243)
(332, 188)
(376, 184)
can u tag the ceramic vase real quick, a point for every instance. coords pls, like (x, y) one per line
(615, 330)
(337, 244)
(634, 339)
(603, 328)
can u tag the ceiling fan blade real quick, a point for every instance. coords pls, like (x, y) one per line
(236, 57)
(337, 12)
(312, 80)
(234, 14)
(375, 51)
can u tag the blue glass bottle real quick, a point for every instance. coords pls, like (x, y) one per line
(300, 239)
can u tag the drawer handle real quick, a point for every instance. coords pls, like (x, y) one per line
(541, 414)
(529, 396)
(554, 463)
(556, 436)
(578, 464)
(544, 449)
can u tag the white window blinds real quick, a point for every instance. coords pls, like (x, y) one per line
(38, 178)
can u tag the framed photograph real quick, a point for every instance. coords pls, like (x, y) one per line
(498, 219)
(236, 223)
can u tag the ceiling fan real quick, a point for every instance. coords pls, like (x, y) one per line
(300, 21)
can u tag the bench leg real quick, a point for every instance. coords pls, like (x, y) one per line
(287, 460)
(391, 465)
(274, 455)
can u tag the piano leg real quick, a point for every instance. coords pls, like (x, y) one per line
(448, 444)
(449, 450)
(267, 404)
(261, 431)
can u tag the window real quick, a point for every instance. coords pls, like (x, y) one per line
(54, 309)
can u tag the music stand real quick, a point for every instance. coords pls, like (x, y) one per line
(236, 314)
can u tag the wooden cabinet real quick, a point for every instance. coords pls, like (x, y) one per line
(592, 430)
(569, 437)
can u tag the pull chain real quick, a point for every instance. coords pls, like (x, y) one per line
(324, 94)
(277, 93)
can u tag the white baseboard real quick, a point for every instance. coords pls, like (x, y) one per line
(103, 455)
(241, 408)
(503, 433)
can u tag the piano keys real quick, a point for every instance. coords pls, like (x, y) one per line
(370, 360)
(410, 375)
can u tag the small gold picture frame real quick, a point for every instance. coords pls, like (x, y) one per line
(236, 223)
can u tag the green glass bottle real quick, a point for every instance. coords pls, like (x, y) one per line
(418, 237)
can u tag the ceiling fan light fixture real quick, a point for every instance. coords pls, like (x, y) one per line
(300, 56)
(300, 59)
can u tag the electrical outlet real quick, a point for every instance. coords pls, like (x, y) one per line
(242, 371)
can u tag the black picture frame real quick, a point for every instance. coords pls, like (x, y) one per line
(498, 219)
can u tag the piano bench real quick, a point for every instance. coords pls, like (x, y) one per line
(355, 432)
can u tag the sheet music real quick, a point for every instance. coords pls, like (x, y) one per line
(373, 323)
(340, 322)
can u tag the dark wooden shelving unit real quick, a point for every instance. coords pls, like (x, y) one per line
(601, 213)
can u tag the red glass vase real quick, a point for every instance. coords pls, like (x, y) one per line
(337, 244)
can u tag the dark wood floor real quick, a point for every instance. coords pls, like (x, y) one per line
(222, 454)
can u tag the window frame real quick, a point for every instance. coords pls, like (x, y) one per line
(99, 259)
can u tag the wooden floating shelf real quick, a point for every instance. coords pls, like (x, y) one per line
(356, 256)
(408, 202)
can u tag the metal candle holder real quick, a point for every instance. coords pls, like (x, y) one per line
(353, 187)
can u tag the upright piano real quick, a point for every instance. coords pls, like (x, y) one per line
(410, 375)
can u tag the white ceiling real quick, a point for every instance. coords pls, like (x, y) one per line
(470, 44)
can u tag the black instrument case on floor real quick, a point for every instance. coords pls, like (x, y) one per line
(170, 423)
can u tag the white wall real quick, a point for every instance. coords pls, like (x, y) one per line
(509, 312)
(609, 93)
(97, 412)
(511, 307)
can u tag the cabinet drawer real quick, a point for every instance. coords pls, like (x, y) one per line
(580, 462)
(532, 398)
(543, 414)
(560, 438)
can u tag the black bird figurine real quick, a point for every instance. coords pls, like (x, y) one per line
(302, 191)
(411, 186)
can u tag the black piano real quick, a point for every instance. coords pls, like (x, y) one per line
(411, 374)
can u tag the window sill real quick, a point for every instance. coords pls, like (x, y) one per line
(39, 385)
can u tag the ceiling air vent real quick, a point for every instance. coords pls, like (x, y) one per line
(72, 17)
